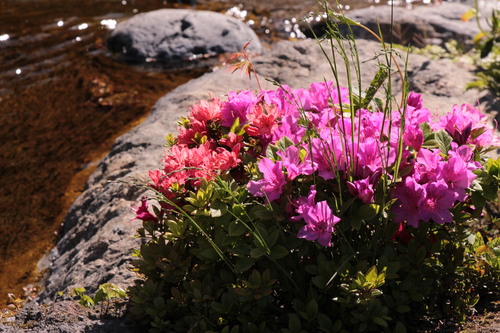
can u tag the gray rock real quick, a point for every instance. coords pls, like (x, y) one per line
(419, 26)
(69, 317)
(173, 35)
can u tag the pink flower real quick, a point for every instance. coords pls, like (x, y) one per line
(458, 177)
(184, 165)
(428, 166)
(231, 140)
(327, 153)
(437, 203)
(320, 94)
(466, 125)
(320, 223)
(294, 166)
(304, 203)
(371, 154)
(362, 189)
(201, 115)
(238, 105)
(413, 136)
(407, 208)
(264, 118)
(289, 127)
(416, 114)
(271, 186)
(142, 212)
(415, 100)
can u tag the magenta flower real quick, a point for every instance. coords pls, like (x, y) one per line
(428, 166)
(304, 203)
(407, 208)
(320, 223)
(415, 111)
(271, 186)
(458, 177)
(413, 136)
(369, 154)
(142, 212)
(467, 124)
(415, 100)
(294, 166)
(437, 203)
(238, 105)
(362, 189)
(290, 128)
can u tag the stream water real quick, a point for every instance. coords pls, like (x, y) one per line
(64, 99)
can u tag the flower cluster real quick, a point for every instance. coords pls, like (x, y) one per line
(313, 151)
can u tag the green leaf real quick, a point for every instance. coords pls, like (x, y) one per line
(367, 212)
(325, 323)
(487, 47)
(356, 223)
(342, 18)
(372, 275)
(259, 212)
(283, 143)
(271, 152)
(426, 129)
(243, 264)
(380, 321)
(78, 292)
(421, 254)
(490, 191)
(86, 301)
(403, 308)
(236, 229)
(258, 252)
(312, 308)
(235, 125)
(444, 141)
(294, 323)
(337, 326)
(280, 145)
(375, 85)
(400, 328)
(279, 251)
(273, 238)
(255, 278)
(217, 208)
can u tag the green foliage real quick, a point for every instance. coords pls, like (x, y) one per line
(286, 284)
(488, 49)
(105, 293)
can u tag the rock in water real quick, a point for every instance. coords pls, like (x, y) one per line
(173, 35)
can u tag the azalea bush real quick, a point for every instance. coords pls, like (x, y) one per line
(318, 209)
(280, 211)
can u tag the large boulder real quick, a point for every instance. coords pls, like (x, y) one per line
(420, 26)
(174, 35)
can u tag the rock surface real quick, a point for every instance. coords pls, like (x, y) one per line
(98, 236)
(174, 35)
(419, 26)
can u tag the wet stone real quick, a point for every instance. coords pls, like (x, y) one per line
(176, 35)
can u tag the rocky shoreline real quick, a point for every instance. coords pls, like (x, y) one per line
(98, 235)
